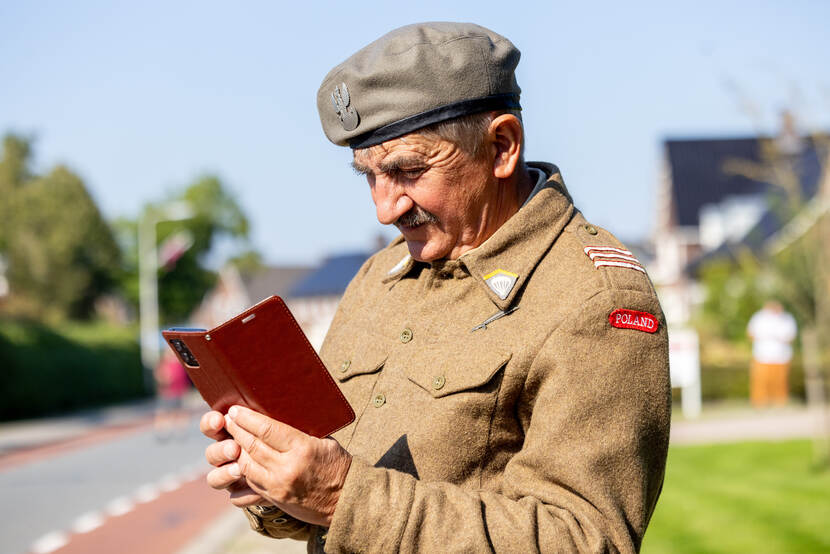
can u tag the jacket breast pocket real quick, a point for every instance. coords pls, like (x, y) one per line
(347, 355)
(442, 374)
(355, 360)
(450, 401)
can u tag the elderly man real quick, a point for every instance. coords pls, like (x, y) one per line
(506, 359)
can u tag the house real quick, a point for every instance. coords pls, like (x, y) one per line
(717, 196)
(235, 292)
(313, 299)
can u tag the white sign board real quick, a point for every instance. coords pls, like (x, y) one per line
(684, 367)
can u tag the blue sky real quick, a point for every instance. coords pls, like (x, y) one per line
(141, 98)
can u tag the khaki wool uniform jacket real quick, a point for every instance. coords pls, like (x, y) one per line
(547, 430)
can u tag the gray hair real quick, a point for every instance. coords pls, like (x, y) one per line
(468, 131)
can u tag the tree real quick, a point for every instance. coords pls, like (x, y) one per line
(61, 253)
(248, 262)
(14, 171)
(182, 285)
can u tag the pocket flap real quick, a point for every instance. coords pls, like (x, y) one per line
(358, 358)
(441, 374)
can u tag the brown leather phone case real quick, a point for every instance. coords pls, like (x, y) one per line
(262, 359)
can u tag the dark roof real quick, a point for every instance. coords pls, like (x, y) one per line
(331, 278)
(769, 224)
(273, 280)
(698, 176)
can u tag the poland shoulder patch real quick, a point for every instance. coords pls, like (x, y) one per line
(632, 319)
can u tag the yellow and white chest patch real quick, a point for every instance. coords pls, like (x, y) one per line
(501, 282)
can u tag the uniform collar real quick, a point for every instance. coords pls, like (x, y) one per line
(404, 264)
(517, 246)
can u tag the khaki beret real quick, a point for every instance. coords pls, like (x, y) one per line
(415, 76)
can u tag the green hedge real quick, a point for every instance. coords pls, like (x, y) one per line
(731, 382)
(50, 370)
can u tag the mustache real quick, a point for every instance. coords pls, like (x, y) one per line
(415, 217)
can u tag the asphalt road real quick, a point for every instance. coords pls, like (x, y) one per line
(48, 498)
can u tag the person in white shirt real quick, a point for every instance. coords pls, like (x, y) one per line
(772, 331)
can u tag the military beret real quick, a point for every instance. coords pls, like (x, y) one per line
(415, 76)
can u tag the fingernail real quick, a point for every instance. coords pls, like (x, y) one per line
(216, 422)
(233, 470)
(233, 411)
(227, 420)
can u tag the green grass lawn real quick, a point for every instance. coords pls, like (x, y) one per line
(753, 497)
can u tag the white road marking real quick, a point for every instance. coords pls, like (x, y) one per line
(146, 493)
(88, 522)
(169, 483)
(118, 507)
(193, 472)
(49, 542)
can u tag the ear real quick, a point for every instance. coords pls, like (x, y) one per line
(506, 134)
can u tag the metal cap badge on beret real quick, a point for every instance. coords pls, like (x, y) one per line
(416, 76)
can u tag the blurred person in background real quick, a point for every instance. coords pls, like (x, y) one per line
(772, 331)
(171, 385)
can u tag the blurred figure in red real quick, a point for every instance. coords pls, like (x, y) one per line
(171, 385)
(772, 331)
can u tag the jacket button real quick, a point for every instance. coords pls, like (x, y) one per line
(406, 335)
(345, 367)
(379, 400)
(590, 229)
(438, 382)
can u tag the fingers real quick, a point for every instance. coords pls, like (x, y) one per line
(212, 426)
(222, 452)
(223, 477)
(246, 496)
(241, 494)
(248, 423)
(258, 476)
(251, 445)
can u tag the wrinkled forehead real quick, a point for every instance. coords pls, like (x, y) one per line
(412, 145)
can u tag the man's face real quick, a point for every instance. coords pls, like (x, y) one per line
(436, 194)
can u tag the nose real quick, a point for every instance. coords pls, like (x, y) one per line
(391, 200)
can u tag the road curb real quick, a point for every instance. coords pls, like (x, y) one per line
(771, 425)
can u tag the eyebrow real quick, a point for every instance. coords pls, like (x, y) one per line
(359, 168)
(391, 166)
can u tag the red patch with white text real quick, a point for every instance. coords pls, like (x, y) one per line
(632, 319)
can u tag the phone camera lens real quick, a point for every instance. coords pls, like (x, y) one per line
(184, 353)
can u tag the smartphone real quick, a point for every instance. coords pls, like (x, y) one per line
(262, 359)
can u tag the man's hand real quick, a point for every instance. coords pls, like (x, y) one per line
(221, 455)
(301, 474)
